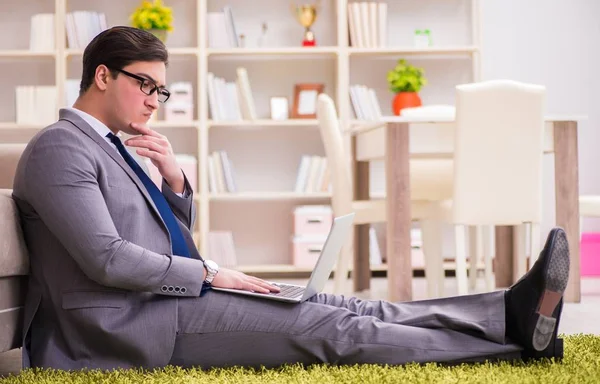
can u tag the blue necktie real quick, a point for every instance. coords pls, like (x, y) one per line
(179, 246)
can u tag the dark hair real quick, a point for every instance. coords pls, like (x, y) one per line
(117, 47)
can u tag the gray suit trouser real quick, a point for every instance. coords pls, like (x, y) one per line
(222, 329)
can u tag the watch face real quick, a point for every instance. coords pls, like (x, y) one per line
(211, 265)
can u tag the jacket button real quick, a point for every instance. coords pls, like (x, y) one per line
(163, 288)
(177, 289)
(171, 288)
(183, 290)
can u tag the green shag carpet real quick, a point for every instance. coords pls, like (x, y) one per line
(581, 364)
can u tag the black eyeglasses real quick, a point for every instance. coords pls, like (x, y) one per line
(148, 86)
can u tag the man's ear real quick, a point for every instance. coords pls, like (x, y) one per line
(101, 77)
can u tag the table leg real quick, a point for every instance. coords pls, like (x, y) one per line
(361, 270)
(503, 260)
(398, 212)
(566, 175)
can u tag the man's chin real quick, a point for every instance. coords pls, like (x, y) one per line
(130, 131)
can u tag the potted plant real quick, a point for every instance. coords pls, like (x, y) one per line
(405, 81)
(153, 17)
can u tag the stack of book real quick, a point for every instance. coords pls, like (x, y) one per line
(367, 22)
(221, 29)
(36, 104)
(365, 103)
(313, 175)
(221, 248)
(41, 38)
(83, 26)
(375, 257)
(220, 173)
(231, 100)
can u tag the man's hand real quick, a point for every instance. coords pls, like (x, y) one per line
(228, 278)
(157, 148)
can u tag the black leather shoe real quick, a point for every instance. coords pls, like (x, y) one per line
(534, 303)
(554, 350)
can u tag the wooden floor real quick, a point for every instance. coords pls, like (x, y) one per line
(576, 318)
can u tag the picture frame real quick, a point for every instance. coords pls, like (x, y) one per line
(305, 100)
(279, 108)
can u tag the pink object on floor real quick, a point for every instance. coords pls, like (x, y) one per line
(590, 254)
(306, 250)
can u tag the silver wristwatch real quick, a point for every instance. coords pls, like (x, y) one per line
(212, 269)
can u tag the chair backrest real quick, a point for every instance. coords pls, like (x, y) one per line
(498, 153)
(337, 160)
(14, 267)
(9, 158)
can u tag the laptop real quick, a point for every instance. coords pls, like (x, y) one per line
(291, 293)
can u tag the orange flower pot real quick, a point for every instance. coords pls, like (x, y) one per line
(405, 100)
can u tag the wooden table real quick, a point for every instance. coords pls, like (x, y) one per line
(398, 139)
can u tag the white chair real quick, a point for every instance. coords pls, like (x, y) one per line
(497, 169)
(430, 180)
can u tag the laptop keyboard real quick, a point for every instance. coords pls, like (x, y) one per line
(289, 291)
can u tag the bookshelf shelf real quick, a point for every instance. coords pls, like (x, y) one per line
(174, 124)
(184, 51)
(292, 270)
(395, 51)
(272, 268)
(273, 53)
(264, 123)
(13, 125)
(25, 53)
(262, 196)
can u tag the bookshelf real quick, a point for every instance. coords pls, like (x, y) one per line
(264, 152)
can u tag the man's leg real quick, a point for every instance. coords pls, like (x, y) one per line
(222, 329)
(483, 315)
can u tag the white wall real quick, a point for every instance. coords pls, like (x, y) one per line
(555, 43)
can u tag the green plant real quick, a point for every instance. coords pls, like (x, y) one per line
(406, 78)
(153, 15)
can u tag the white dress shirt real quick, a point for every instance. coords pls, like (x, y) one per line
(96, 125)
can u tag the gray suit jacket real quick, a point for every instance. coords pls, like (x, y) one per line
(103, 282)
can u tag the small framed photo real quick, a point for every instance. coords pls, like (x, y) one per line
(279, 108)
(305, 100)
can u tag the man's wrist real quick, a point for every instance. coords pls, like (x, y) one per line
(177, 184)
(212, 269)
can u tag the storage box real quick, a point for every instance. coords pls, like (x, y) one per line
(590, 254)
(306, 250)
(312, 220)
(181, 92)
(179, 112)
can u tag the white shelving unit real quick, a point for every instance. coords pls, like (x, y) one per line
(265, 153)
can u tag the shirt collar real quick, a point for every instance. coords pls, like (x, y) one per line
(96, 124)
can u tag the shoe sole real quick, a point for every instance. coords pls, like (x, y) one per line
(557, 276)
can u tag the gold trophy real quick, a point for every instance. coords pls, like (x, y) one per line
(306, 14)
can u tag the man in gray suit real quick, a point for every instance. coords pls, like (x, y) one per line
(116, 280)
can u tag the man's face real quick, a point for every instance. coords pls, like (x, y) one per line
(128, 103)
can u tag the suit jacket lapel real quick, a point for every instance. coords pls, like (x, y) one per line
(89, 131)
